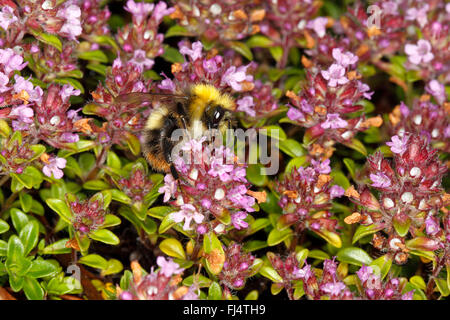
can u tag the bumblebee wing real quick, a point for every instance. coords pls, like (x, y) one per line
(140, 98)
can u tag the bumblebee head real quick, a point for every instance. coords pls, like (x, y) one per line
(212, 107)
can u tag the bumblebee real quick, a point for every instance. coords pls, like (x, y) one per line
(202, 107)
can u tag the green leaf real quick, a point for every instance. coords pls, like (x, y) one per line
(418, 282)
(48, 39)
(421, 253)
(149, 226)
(73, 74)
(110, 221)
(120, 196)
(214, 291)
(270, 273)
(58, 247)
(351, 166)
(215, 256)
(275, 132)
(106, 40)
(254, 245)
(94, 261)
(133, 143)
(256, 175)
(96, 185)
(331, 237)
(33, 289)
(441, 284)
(25, 201)
(176, 31)
(252, 295)
(113, 266)
(29, 236)
(15, 249)
(296, 162)
(29, 177)
(41, 268)
(172, 55)
(276, 52)
(363, 231)
(113, 160)
(402, 227)
(173, 248)
(383, 265)
(242, 49)
(61, 208)
(357, 145)
(276, 288)
(5, 130)
(197, 279)
(166, 223)
(355, 256)
(37, 208)
(95, 55)
(3, 248)
(292, 148)
(19, 219)
(3, 226)
(105, 236)
(340, 179)
(276, 236)
(259, 41)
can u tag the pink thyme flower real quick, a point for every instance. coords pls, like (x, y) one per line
(318, 25)
(364, 89)
(211, 65)
(167, 84)
(336, 191)
(187, 213)
(294, 114)
(334, 122)
(11, 61)
(70, 137)
(333, 288)
(398, 145)
(390, 7)
(420, 15)
(54, 166)
(431, 225)
(35, 93)
(238, 220)
(139, 10)
(72, 26)
(24, 113)
(344, 59)
(141, 61)
(168, 267)
(234, 76)
(4, 80)
(161, 10)
(364, 273)
(321, 167)
(67, 91)
(380, 180)
(7, 17)
(245, 104)
(437, 90)
(335, 75)
(195, 52)
(169, 188)
(419, 53)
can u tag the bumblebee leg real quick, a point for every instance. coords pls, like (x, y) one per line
(167, 147)
(174, 172)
